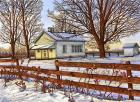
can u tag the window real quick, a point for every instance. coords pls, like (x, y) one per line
(51, 50)
(64, 49)
(80, 48)
(38, 51)
(45, 54)
(77, 48)
(73, 48)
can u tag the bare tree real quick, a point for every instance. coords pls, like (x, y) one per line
(60, 21)
(9, 17)
(30, 15)
(33, 29)
(20, 22)
(105, 20)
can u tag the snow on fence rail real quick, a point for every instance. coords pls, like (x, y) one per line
(24, 72)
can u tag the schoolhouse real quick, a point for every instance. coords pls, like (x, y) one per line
(50, 45)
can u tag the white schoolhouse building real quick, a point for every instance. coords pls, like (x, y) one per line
(50, 45)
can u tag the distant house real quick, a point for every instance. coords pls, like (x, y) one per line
(131, 49)
(58, 45)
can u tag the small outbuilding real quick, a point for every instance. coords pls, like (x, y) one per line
(131, 49)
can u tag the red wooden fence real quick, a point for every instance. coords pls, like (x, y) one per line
(46, 75)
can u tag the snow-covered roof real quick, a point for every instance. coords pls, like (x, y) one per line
(65, 36)
(43, 46)
(130, 45)
(62, 36)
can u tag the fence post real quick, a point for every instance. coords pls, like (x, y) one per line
(130, 85)
(109, 54)
(118, 54)
(57, 68)
(93, 55)
(17, 62)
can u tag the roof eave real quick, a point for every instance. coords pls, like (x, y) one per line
(43, 48)
(70, 41)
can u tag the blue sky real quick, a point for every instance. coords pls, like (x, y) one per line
(47, 5)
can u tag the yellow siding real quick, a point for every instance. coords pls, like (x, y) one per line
(45, 54)
(52, 53)
(48, 53)
(38, 54)
(44, 40)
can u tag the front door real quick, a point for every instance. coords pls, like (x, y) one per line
(45, 54)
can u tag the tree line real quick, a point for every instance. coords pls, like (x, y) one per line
(21, 23)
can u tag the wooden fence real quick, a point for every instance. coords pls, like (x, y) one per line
(10, 60)
(46, 75)
(108, 53)
(17, 55)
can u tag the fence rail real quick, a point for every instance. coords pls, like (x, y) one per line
(46, 75)
(108, 53)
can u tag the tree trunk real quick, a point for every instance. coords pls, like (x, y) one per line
(28, 51)
(24, 29)
(102, 50)
(13, 50)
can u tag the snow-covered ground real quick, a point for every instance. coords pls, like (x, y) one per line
(50, 63)
(12, 93)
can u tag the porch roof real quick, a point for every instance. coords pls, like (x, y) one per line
(50, 46)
